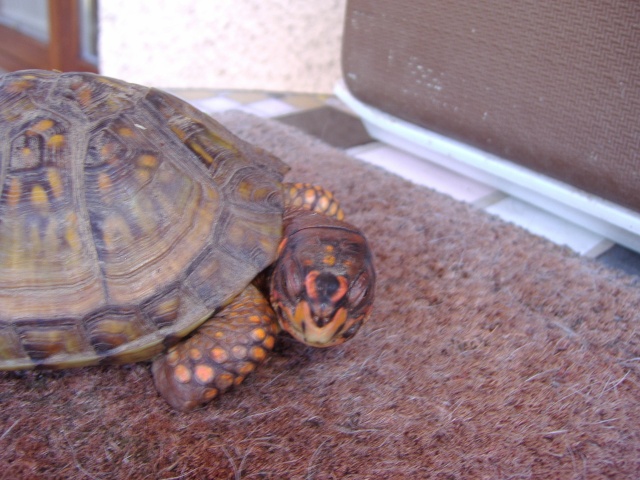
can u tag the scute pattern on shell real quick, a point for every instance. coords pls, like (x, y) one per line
(126, 218)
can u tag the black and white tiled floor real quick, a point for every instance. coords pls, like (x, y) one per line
(325, 117)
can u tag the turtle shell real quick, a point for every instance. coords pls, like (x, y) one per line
(127, 217)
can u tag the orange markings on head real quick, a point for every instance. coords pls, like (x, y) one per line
(312, 290)
(301, 314)
(329, 260)
(342, 290)
(341, 316)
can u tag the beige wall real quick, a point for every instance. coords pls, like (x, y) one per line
(275, 45)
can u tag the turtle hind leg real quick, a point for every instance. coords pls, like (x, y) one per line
(219, 355)
(312, 197)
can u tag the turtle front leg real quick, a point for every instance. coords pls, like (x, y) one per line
(312, 197)
(219, 355)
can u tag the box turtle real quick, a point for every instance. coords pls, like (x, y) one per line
(134, 227)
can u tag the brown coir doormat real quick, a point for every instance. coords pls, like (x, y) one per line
(491, 353)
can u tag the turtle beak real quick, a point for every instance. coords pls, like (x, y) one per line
(314, 330)
(319, 315)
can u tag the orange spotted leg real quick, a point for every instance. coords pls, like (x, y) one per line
(219, 355)
(312, 197)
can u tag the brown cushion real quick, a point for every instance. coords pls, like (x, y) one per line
(548, 85)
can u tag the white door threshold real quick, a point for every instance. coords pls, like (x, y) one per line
(607, 219)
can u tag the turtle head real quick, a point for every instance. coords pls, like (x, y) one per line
(323, 282)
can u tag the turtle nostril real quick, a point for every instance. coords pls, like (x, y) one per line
(321, 321)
